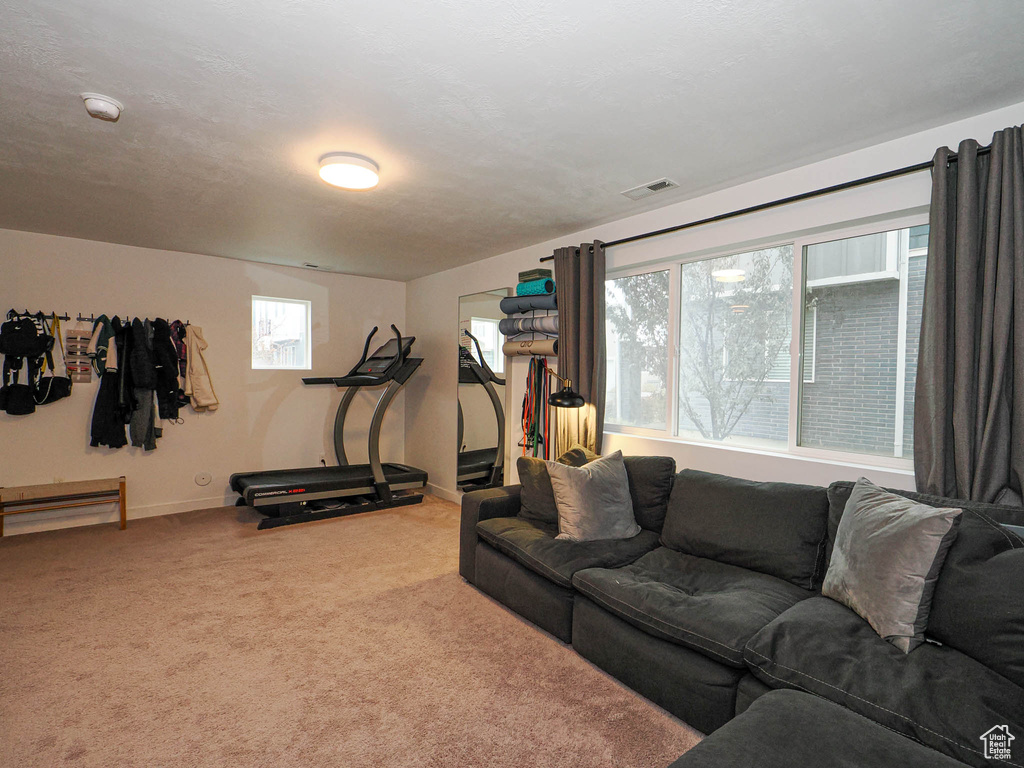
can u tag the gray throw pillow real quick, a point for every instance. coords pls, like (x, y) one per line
(887, 557)
(593, 501)
(537, 500)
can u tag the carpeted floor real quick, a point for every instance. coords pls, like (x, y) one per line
(196, 640)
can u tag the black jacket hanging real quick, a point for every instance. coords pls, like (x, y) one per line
(165, 359)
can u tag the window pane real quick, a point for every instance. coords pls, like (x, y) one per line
(734, 339)
(637, 349)
(280, 333)
(861, 397)
(486, 331)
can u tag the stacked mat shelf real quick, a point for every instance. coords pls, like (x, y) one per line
(531, 334)
(535, 293)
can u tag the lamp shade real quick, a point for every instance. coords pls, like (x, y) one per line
(566, 398)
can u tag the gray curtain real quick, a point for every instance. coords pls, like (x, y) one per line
(969, 409)
(579, 281)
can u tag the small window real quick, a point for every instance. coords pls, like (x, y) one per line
(280, 333)
(486, 331)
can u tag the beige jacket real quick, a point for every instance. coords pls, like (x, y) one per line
(198, 385)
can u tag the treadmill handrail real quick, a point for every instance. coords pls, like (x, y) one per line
(483, 363)
(356, 379)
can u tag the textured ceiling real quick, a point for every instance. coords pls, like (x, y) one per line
(496, 124)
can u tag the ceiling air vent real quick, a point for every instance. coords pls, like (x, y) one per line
(650, 188)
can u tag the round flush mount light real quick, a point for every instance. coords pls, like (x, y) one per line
(729, 275)
(102, 107)
(349, 171)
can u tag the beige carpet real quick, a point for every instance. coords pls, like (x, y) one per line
(196, 640)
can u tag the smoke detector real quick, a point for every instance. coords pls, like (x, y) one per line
(102, 107)
(650, 188)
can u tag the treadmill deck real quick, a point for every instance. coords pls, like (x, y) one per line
(291, 485)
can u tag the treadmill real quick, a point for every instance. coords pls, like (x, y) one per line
(482, 468)
(289, 496)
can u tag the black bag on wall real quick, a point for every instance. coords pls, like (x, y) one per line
(20, 337)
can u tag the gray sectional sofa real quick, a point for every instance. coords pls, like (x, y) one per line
(714, 611)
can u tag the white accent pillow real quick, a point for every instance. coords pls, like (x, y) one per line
(593, 501)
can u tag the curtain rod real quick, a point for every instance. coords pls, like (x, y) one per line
(906, 170)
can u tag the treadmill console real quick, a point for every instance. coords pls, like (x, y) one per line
(385, 356)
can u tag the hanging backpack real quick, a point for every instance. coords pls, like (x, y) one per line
(51, 388)
(20, 337)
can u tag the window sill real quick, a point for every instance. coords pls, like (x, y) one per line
(903, 468)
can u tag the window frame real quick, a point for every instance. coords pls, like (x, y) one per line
(671, 376)
(499, 357)
(816, 236)
(308, 304)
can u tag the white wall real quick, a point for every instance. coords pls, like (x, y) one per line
(267, 419)
(432, 301)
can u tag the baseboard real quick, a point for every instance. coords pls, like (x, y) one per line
(106, 512)
(444, 493)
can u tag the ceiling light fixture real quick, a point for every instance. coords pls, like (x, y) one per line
(739, 309)
(729, 275)
(102, 107)
(349, 171)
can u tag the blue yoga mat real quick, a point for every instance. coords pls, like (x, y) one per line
(535, 287)
(513, 304)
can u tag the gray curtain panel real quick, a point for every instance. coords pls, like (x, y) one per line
(969, 409)
(579, 281)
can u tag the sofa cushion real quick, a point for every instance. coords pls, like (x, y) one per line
(936, 695)
(839, 493)
(538, 498)
(593, 501)
(533, 545)
(650, 485)
(973, 608)
(710, 607)
(788, 729)
(978, 605)
(774, 528)
(888, 553)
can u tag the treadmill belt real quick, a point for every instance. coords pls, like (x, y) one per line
(477, 461)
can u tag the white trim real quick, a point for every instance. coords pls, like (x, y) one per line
(903, 248)
(834, 458)
(863, 277)
(444, 493)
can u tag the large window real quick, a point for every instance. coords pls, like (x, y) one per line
(280, 333)
(721, 332)
(637, 347)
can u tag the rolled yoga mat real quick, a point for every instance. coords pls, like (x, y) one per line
(513, 304)
(535, 287)
(546, 347)
(512, 326)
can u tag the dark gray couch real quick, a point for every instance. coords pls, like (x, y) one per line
(717, 602)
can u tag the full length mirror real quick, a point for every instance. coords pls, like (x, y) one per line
(481, 409)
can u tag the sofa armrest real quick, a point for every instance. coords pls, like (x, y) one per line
(477, 506)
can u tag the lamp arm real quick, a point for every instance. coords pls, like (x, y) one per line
(567, 382)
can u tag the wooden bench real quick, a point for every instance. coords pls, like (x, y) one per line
(83, 493)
